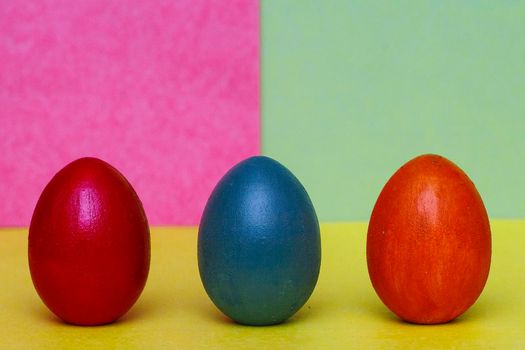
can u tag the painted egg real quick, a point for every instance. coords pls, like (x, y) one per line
(89, 244)
(259, 247)
(429, 242)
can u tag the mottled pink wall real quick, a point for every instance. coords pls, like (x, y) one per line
(166, 91)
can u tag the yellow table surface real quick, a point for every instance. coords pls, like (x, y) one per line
(344, 312)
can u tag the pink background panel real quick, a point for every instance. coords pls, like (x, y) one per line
(166, 91)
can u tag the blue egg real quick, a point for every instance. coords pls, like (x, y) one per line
(259, 246)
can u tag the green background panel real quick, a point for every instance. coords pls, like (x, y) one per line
(353, 89)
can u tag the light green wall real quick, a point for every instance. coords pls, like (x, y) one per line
(353, 89)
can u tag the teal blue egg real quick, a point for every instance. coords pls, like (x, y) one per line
(259, 245)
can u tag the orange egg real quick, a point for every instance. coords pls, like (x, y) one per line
(429, 242)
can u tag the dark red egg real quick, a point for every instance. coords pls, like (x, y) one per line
(429, 242)
(89, 244)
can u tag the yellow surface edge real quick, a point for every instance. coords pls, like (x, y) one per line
(344, 312)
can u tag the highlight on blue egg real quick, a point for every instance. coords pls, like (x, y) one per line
(259, 245)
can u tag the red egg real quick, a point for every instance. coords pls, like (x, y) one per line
(89, 244)
(429, 242)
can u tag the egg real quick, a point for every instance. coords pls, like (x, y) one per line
(429, 242)
(89, 244)
(259, 246)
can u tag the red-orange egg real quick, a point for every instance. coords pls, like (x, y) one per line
(89, 244)
(429, 242)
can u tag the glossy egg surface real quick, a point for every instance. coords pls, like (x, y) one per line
(89, 244)
(429, 242)
(259, 247)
